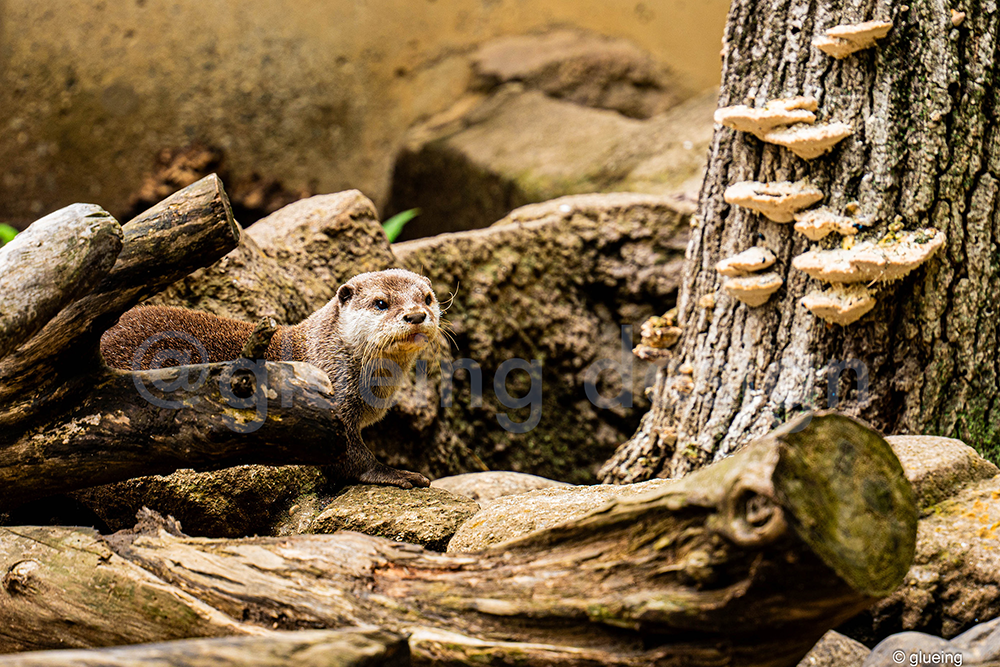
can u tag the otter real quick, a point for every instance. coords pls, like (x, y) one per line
(374, 319)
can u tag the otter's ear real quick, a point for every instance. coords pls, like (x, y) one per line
(345, 293)
(425, 279)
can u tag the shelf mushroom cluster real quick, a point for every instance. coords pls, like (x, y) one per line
(852, 269)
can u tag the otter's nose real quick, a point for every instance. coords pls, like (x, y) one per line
(415, 317)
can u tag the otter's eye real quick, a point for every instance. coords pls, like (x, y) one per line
(381, 304)
(428, 300)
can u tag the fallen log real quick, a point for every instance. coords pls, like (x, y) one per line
(310, 648)
(746, 562)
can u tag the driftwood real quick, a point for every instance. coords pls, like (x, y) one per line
(68, 422)
(746, 562)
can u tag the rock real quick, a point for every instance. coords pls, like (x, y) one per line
(323, 241)
(955, 579)
(835, 650)
(553, 282)
(234, 502)
(428, 517)
(485, 487)
(938, 467)
(977, 646)
(587, 69)
(520, 146)
(508, 517)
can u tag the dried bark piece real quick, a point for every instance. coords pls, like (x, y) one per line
(889, 259)
(752, 259)
(841, 304)
(810, 141)
(776, 113)
(843, 40)
(753, 290)
(820, 222)
(778, 201)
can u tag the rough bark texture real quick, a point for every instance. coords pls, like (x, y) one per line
(706, 571)
(925, 152)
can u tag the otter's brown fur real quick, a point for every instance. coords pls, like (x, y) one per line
(375, 318)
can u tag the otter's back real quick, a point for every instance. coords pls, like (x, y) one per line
(159, 336)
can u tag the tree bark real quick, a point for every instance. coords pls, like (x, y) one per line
(707, 571)
(925, 152)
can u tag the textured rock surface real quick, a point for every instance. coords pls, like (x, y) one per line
(226, 503)
(485, 487)
(587, 69)
(428, 517)
(835, 650)
(510, 516)
(939, 467)
(552, 282)
(521, 146)
(295, 96)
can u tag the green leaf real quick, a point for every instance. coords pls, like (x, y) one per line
(394, 226)
(7, 233)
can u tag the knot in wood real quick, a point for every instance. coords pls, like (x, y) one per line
(19, 579)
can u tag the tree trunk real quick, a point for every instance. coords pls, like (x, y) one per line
(925, 152)
(707, 571)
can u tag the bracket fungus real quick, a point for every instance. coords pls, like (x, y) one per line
(821, 222)
(888, 259)
(843, 40)
(658, 334)
(753, 259)
(755, 289)
(778, 201)
(841, 304)
(774, 114)
(810, 141)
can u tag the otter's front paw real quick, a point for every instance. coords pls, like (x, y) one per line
(392, 477)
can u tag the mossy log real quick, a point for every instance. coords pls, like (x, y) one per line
(68, 422)
(746, 562)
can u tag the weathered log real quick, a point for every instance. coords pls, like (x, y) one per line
(746, 562)
(58, 259)
(154, 422)
(310, 648)
(190, 229)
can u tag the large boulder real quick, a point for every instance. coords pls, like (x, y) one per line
(584, 68)
(517, 146)
(554, 283)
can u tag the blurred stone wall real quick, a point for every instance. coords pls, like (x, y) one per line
(116, 102)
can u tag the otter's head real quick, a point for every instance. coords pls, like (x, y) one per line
(391, 315)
